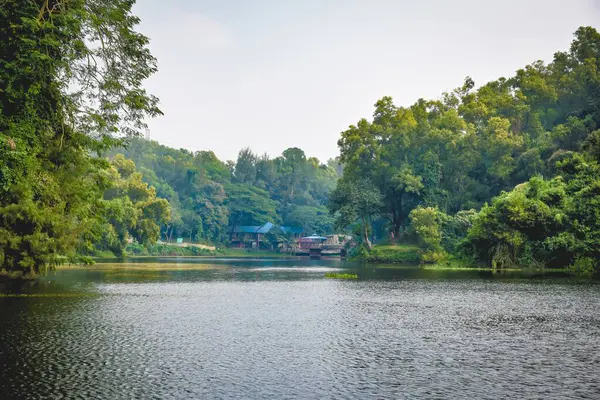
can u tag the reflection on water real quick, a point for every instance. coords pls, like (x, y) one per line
(249, 328)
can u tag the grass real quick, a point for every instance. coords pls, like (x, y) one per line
(103, 254)
(396, 266)
(438, 267)
(455, 265)
(394, 254)
(168, 250)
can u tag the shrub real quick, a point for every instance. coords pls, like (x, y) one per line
(583, 266)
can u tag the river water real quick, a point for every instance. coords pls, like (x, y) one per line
(280, 329)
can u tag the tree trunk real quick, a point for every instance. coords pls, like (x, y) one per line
(396, 218)
(168, 233)
(366, 240)
(396, 227)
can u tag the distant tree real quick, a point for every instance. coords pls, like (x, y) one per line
(131, 209)
(352, 201)
(250, 206)
(311, 219)
(245, 167)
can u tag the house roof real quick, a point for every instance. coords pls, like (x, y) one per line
(265, 228)
(253, 229)
(245, 229)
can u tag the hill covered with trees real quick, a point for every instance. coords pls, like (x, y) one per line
(524, 150)
(208, 195)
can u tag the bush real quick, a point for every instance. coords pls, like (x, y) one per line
(426, 222)
(434, 257)
(393, 255)
(583, 266)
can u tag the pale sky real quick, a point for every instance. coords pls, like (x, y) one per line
(273, 74)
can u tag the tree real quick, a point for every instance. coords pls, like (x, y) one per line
(131, 209)
(71, 76)
(352, 201)
(427, 223)
(245, 167)
(524, 226)
(210, 197)
(250, 206)
(311, 219)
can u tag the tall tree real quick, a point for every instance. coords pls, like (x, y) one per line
(71, 73)
(355, 200)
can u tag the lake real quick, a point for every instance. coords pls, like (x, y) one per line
(254, 329)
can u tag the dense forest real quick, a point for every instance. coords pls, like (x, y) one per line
(505, 174)
(207, 195)
(71, 76)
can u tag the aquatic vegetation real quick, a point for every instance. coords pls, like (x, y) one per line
(334, 275)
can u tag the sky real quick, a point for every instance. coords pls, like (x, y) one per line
(274, 74)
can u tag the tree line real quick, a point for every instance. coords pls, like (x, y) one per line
(523, 150)
(208, 197)
(505, 174)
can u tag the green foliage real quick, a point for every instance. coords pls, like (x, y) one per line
(352, 200)
(460, 152)
(583, 266)
(162, 249)
(71, 75)
(432, 256)
(543, 222)
(131, 210)
(71, 89)
(311, 219)
(250, 205)
(455, 228)
(207, 196)
(427, 223)
(402, 254)
(334, 275)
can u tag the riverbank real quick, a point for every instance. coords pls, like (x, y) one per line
(401, 256)
(170, 250)
(392, 254)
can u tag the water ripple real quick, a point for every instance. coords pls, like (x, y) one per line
(304, 339)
